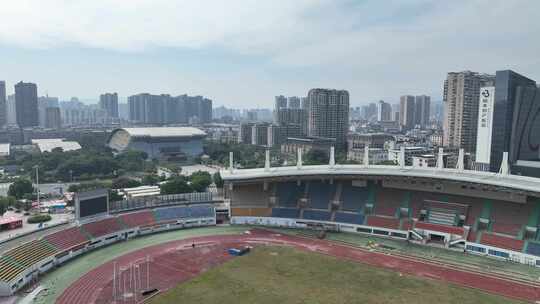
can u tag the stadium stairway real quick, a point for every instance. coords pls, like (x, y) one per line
(372, 193)
(86, 233)
(441, 217)
(485, 214)
(406, 203)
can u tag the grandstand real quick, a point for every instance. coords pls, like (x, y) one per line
(495, 215)
(21, 264)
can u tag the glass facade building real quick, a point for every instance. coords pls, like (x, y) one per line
(506, 83)
(525, 139)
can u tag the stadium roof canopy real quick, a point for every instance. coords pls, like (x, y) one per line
(121, 138)
(47, 145)
(523, 183)
(163, 132)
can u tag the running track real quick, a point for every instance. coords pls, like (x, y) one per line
(176, 261)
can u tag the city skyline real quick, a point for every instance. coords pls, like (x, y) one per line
(242, 67)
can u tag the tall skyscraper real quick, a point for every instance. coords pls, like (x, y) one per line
(44, 103)
(3, 104)
(52, 118)
(461, 101)
(384, 111)
(27, 104)
(506, 84)
(291, 117)
(11, 106)
(328, 115)
(280, 102)
(406, 112)
(109, 103)
(294, 102)
(524, 140)
(160, 109)
(422, 110)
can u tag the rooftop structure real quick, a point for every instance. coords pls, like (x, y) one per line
(502, 181)
(47, 145)
(159, 142)
(4, 149)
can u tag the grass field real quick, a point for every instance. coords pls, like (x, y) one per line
(285, 275)
(440, 254)
(59, 279)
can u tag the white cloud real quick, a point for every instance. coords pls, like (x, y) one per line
(382, 44)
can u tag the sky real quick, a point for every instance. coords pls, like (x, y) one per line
(243, 53)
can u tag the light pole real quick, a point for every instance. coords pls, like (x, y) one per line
(37, 184)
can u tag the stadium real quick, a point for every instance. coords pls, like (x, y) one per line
(174, 143)
(327, 234)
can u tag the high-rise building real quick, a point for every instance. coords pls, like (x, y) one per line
(27, 104)
(294, 102)
(461, 102)
(328, 115)
(123, 111)
(384, 111)
(291, 116)
(53, 119)
(506, 84)
(11, 106)
(524, 140)
(3, 104)
(160, 109)
(422, 110)
(109, 103)
(280, 102)
(369, 112)
(45, 102)
(406, 112)
(76, 113)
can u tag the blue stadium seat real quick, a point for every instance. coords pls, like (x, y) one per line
(289, 193)
(533, 248)
(199, 211)
(285, 212)
(183, 212)
(351, 218)
(353, 198)
(316, 215)
(320, 194)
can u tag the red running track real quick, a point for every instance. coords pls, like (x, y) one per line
(175, 262)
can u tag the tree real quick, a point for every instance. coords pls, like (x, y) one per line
(200, 180)
(150, 179)
(316, 157)
(114, 196)
(176, 185)
(125, 182)
(88, 186)
(218, 180)
(5, 202)
(20, 187)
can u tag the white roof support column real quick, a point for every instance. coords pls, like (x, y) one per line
(366, 156)
(504, 170)
(332, 162)
(299, 159)
(402, 157)
(231, 162)
(440, 160)
(267, 161)
(461, 163)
